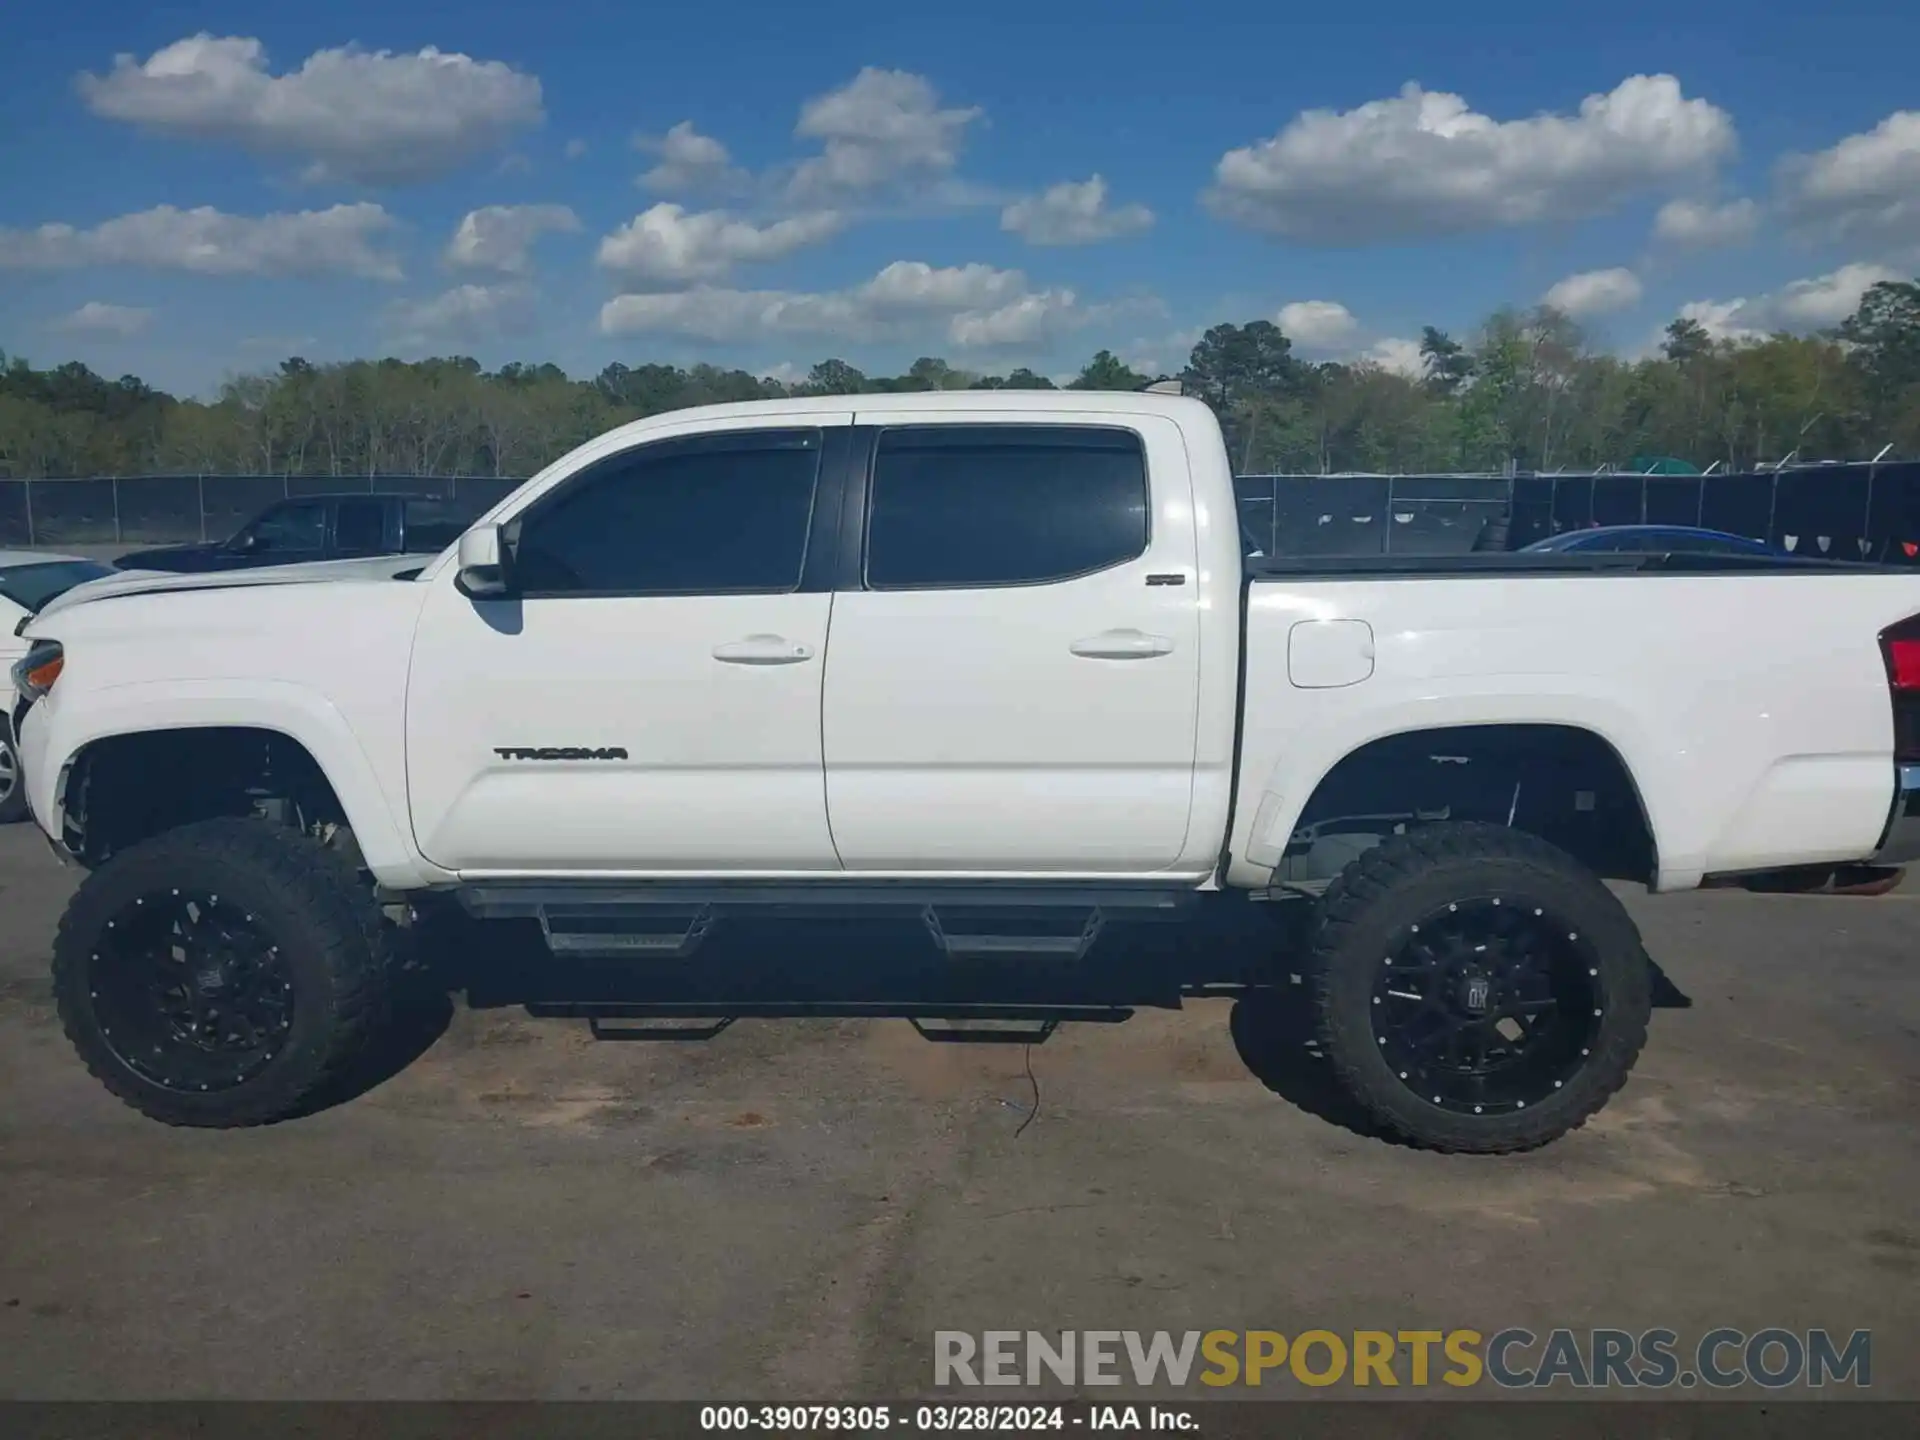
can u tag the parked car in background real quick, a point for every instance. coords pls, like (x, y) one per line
(320, 527)
(28, 580)
(1651, 540)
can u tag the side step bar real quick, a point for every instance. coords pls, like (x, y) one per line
(671, 921)
(996, 1022)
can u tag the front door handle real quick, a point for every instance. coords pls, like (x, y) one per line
(1122, 645)
(763, 650)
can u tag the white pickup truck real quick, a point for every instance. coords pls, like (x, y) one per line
(993, 663)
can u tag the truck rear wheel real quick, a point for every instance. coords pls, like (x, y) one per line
(1477, 989)
(221, 975)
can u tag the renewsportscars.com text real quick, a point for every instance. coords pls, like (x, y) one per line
(1511, 1359)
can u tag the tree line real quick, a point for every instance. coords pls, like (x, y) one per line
(1527, 390)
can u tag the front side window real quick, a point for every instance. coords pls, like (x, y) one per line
(298, 527)
(961, 506)
(714, 514)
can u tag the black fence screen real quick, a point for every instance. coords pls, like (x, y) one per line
(181, 509)
(1842, 512)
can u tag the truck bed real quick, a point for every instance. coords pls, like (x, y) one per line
(1749, 707)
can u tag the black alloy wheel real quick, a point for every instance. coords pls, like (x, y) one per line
(190, 992)
(1488, 1005)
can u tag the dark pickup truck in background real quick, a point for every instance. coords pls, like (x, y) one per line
(320, 527)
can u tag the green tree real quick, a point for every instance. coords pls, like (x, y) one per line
(1448, 365)
(1106, 371)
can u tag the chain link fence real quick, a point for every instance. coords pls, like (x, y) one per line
(1841, 511)
(184, 509)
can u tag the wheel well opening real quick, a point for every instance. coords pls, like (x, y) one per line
(127, 788)
(1564, 784)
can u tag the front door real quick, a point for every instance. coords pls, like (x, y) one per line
(649, 702)
(1014, 686)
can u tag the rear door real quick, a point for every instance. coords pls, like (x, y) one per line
(361, 527)
(1012, 682)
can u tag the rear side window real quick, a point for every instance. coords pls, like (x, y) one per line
(433, 525)
(960, 506)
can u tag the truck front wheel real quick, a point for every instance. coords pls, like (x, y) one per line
(1477, 989)
(221, 975)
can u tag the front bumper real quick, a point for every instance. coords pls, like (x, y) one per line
(1901, 843)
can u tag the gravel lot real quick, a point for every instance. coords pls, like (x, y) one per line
(792, 1210)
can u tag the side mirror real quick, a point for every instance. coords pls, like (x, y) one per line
(243, 542)
(484, 562)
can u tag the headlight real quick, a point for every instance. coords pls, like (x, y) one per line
(35, 672)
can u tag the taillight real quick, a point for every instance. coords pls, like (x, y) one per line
(1900, 648)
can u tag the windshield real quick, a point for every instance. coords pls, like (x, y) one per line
(31, 586)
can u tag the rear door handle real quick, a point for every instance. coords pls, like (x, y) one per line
(763, 650)
(1122, 645)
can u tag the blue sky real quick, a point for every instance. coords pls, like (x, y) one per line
(769, 185)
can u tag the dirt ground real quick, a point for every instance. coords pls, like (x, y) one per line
(792, 1210)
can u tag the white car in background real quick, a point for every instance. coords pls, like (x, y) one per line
(28, 580)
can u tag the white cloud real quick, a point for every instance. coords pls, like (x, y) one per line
(501, 237)
(96, 317)
(469, 313)
(977, 305)
(1030, 320)
(1865, 190)
(880, 128)
(1697, 225)
(1317, 325)
(1816, 304)
(376, 117)
(574, 149)
(1074, 212)
(1422, 163)
(1595, 292)
(206, 241)
(913, 286)
(688, 161)
(1398, 356)
(667, 245)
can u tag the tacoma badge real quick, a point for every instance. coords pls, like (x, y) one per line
(560, 752)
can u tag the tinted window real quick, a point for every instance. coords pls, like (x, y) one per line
(433, 525)
(291, 527)
(359, 527)
(31, 586)
(705, 516)
(963, 505)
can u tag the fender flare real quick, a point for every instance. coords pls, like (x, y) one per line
(303, 715)
(1318, 752)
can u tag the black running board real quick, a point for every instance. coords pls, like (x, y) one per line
(671, 921)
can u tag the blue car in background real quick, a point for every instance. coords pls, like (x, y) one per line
(1651, 540)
